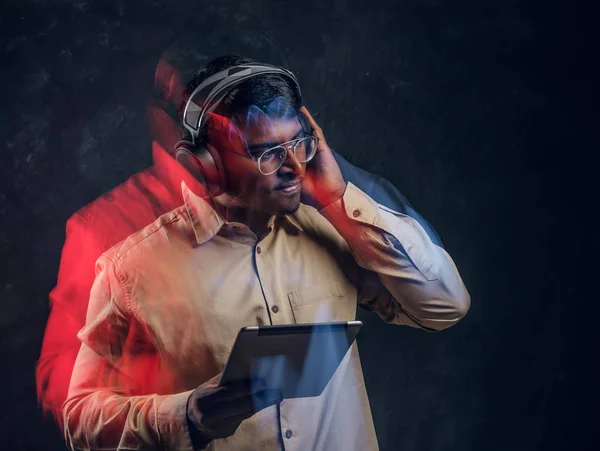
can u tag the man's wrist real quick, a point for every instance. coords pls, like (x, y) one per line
(330, 199)
(199, 440)
(351, 213)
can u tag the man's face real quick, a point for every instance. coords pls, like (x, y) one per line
(277, 193)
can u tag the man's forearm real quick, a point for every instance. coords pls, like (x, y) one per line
(98, 415)
(420, 275)
(57, 359)
(100, 419)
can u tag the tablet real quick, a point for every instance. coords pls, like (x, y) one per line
(297, 359)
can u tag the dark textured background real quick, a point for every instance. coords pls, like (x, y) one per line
(476, 110)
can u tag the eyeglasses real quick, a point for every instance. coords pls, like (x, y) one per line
(271, 159)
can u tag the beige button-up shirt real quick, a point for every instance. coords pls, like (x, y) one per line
(168, 301)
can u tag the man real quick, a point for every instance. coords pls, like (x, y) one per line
(167, 302)
(124, 210)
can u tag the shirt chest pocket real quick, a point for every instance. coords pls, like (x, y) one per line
(322, 302)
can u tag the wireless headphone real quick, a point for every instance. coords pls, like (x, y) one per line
(202, 159)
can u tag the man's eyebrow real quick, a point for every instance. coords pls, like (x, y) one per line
(263, 146)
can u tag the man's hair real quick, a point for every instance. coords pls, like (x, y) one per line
(272, 94)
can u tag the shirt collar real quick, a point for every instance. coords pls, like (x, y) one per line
(205, 220)
(294, 221)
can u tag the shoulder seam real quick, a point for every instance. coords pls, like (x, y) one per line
(120, 253)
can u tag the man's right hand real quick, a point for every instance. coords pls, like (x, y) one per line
(216, 412)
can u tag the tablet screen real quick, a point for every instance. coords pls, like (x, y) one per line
(298, 359)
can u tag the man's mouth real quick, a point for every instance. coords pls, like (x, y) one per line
(289, 188)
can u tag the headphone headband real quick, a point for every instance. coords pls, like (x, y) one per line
(207, 96)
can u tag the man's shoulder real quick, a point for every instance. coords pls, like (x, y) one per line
(125, 209)
(133, 204)
(154, 239)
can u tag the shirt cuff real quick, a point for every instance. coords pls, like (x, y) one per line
(172, 422)
(398, 230)
(353, 204)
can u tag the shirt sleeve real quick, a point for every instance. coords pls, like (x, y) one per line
(112, 401)
(384, 193)
(68, 306)
(412, 280)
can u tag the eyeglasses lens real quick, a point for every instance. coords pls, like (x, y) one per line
(272, 159)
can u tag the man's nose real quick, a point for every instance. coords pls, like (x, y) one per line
(291, 163)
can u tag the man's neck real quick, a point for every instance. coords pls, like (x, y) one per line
(233, 211)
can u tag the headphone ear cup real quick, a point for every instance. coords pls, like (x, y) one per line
(204, 163)
(216, 175)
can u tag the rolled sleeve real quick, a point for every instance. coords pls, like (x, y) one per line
(112, 401)
(172, 421)
(420, 275)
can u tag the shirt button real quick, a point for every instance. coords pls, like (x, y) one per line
(274, 309)
(356, 213)
(258, 249)
(288, 433)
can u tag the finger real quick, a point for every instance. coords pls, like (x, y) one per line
(248, 385)
(246, 405)
(232, 409)
(318, 132)
(240, 389)
(230, 424)
(311, 120)
(235, 390)
(210, 393)
(224, 427)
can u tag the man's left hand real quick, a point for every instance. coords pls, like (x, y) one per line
(323, 183)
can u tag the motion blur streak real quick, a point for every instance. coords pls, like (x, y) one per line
(89, 233)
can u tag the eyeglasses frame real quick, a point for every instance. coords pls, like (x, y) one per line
(286, 145)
